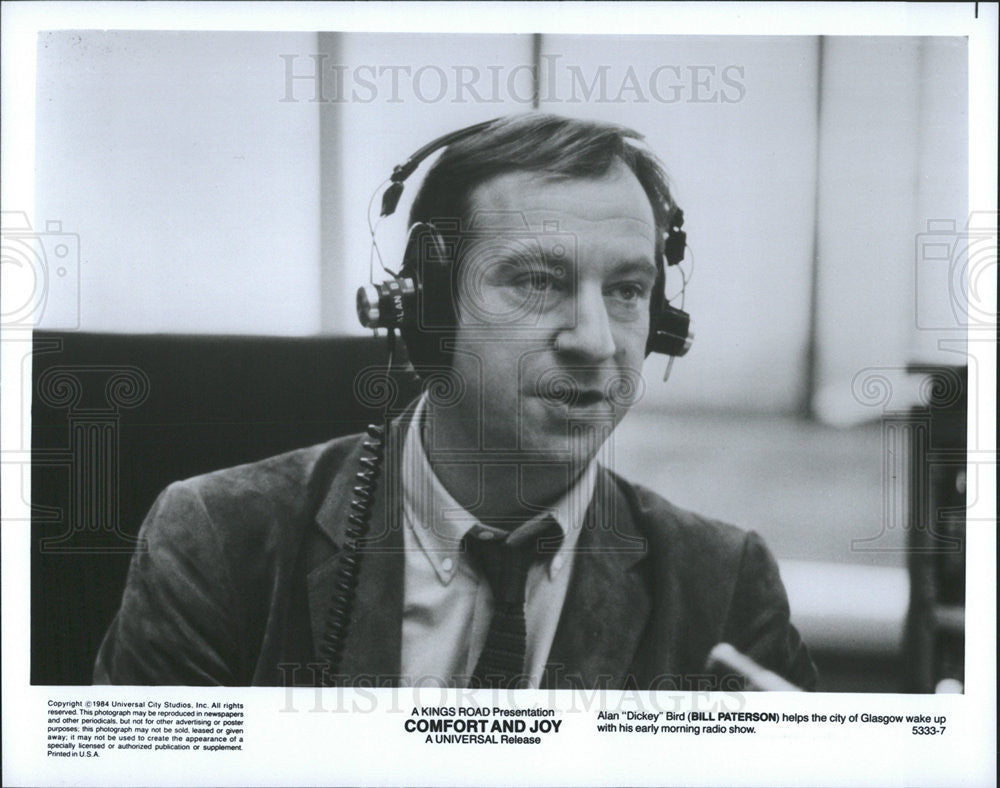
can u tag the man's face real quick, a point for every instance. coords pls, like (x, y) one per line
(553, 311)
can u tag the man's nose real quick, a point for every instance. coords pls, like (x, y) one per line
(587, 336)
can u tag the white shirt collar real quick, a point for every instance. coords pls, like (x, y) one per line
(439, 522)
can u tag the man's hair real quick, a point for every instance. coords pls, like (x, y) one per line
(538, 143)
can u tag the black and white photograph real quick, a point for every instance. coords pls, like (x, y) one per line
(546, 388)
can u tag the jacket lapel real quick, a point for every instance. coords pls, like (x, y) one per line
(608, 603)
(372, 653)
(606, 609)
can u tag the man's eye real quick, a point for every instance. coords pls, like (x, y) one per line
(629, 292)
(537, 282)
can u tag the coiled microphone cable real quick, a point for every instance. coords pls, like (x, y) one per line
(338, 617)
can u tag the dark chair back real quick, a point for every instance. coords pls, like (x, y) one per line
(115, 418)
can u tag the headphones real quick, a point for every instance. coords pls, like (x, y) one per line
(419, 301)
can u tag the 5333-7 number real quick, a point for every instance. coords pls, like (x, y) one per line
(928, 730)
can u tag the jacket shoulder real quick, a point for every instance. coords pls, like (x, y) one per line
(285, 481)
(728, 583)
(665, 525)
(258, 508)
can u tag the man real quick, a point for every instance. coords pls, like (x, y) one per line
(495, 549)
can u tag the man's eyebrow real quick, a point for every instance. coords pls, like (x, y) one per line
(635, 265)
(533, 259)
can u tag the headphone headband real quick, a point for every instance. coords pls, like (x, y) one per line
(421, 296)
(390, 199)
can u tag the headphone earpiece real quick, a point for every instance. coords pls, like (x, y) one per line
(419, 301)
(430, 317)
(669, 327)
(669, 331)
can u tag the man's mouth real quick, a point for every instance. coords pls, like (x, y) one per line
(573, 397)
(583, 399)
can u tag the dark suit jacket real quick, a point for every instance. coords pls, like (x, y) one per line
(235, 573)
